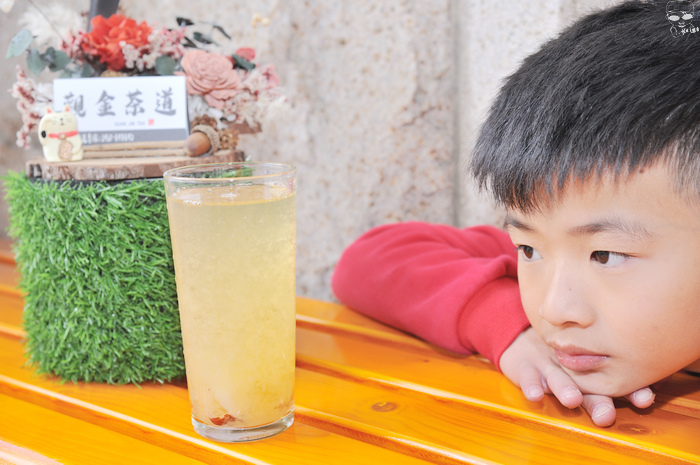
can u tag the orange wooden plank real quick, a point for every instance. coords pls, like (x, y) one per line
(6, 254)
(159, 414)
(464, 438)
(318, 312)
(11, 454)
(9, 279)
(480, 386)
(437, 429)
(681, 395)
(68, 440)
(12, 331)
(342, 352)
(11, 309)
(333, 318)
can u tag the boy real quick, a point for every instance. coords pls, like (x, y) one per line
(593, 149)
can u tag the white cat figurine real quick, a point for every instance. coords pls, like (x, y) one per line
(58, 134)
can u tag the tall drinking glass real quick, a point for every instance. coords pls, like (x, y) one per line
(233, 232)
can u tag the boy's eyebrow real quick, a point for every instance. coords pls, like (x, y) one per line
(510, 220)
(611, 225)
(605, 225)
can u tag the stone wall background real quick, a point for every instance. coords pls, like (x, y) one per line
(386, 100)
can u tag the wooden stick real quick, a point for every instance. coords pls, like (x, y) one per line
(164, 144)
(135, 153)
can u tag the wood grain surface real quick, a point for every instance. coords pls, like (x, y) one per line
(118, 169)
(365, 394)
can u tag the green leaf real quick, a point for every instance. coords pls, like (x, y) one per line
(221, 30)
(49, 55)
(183, 21)
(19, 43)
(87, 71)
(204, 39)
(35, 61)
(59, 60)
(188, 43)
(240, 62)
(70, 71)
(165, 65)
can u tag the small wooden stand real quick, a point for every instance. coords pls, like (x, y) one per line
(118, 169)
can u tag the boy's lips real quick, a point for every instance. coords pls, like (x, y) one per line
(578, 359)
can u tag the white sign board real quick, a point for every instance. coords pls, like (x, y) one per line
(126, 109)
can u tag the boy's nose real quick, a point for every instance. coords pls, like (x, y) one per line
(565, 301)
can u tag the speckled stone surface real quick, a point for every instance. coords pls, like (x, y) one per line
(386, 99)
(491, 45)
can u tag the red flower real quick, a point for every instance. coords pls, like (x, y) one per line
(104, 39)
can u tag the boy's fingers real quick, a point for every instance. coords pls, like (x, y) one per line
(600, 409)
(642, 398)
(564, 389)
(530, 382)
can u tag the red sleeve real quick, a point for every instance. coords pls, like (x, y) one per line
(456, 288)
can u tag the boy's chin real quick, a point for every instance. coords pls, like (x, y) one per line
(694, 367)
(604, 385)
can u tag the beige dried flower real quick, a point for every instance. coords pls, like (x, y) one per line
(228, 139)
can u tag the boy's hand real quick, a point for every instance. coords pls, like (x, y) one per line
(529, 364)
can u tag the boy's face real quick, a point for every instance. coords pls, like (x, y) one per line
(610, 279)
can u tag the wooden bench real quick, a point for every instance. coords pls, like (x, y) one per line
(366, 394)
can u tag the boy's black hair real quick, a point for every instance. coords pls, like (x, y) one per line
(615, 92)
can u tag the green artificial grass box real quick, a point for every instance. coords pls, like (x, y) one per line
(96, 268)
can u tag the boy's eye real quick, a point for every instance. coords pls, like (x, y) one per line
(529, 253)
(605, 257)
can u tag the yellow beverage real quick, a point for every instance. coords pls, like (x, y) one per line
(234, 254)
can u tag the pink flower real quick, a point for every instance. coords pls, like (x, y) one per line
(28, 98)
(272, 79)
(210, 75)
(246, 53)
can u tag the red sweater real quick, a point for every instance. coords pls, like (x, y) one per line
(456, 288)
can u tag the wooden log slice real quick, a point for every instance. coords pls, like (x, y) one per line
(117, 169)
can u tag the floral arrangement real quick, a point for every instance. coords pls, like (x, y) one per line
(230, 89)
